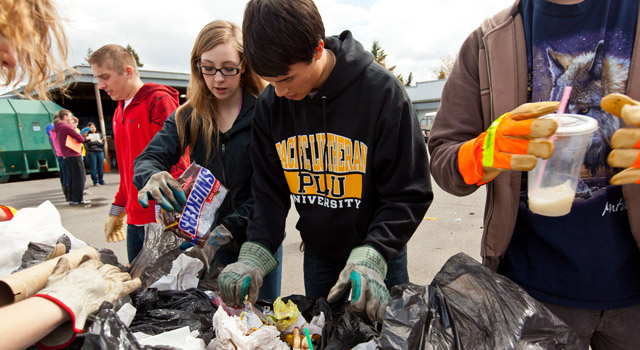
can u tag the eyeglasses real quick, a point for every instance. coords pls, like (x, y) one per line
(226, 71)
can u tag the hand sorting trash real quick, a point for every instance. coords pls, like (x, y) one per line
(188, 204)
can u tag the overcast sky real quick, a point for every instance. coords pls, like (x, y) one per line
(415, 34)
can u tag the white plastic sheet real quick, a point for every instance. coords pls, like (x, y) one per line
(41, 224)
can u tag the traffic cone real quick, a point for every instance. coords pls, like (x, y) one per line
(106, 167)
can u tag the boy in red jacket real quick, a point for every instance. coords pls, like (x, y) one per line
(140, 114)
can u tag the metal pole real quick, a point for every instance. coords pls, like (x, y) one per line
(102, 127)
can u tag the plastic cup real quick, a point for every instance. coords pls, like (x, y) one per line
(552, 183)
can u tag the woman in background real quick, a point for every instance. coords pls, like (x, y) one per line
(95, 145)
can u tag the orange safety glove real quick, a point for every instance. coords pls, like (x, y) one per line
(625, 141)
(509, 143)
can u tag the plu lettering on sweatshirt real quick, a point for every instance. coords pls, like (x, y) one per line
(204, 189)
(327, 174)
(345, 155)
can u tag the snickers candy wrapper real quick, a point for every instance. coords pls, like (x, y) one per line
(204, 196)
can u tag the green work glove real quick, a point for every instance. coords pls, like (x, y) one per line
(244, 277)
(163, 189)
(364, 274)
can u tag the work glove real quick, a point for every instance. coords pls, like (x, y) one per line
(244, 277)
(625, 141)
(114, 227)
(163, 189)
(364, 273)
(80, 292)
(218, 237)
(509, 143)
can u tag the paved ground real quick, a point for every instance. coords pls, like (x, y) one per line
(452, 224)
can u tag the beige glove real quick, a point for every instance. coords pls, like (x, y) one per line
(625, 141)
(81, 291)
(114, 227)
(57, 251)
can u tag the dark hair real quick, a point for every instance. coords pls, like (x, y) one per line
(279, 33)
(90, 124)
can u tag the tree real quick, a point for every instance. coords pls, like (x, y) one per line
(443, 69)
(381, 58)
(86, 59)
(135, 55)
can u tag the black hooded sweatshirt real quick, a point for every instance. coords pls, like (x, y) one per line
(375, 187)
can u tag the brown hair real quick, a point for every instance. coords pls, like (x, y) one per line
(60, 114)
(202, 102)
(114, 57)
(32, 26)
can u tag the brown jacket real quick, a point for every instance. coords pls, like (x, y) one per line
(488, 79)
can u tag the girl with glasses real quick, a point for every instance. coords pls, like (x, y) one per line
(215, 125)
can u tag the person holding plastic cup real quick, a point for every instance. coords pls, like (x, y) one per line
(584, 265)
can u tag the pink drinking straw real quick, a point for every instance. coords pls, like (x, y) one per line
(563, 104)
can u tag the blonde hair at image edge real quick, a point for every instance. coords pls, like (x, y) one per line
(33, 27)
(199, 97)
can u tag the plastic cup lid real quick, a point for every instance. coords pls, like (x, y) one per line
(573, 124)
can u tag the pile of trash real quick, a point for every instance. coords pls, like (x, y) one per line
(467, 306)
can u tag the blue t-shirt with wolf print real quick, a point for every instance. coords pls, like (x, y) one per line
(588, 258)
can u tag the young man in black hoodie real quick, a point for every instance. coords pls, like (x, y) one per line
(338, 133)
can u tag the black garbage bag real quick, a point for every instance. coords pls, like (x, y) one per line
(159, 250)
(38, 252)
(346, 330)
(163, 311)
(471, 307)
(108, 332)
(107, 256)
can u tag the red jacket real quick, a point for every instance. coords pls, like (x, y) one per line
(132, 131)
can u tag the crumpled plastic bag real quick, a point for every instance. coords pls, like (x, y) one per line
(159, 250)
(38, 252)
(180, 338)
(286, 314)
(471, 307)
(183, 275)
(233, 333)
(162, 311)
(347, 330)
(108, 332)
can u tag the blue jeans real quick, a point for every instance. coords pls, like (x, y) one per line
(96, 163)
(321, 274)
(135, 240)
(271, 284)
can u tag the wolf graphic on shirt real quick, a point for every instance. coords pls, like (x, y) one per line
(592, 75)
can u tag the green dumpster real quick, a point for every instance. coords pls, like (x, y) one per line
(24, 143)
